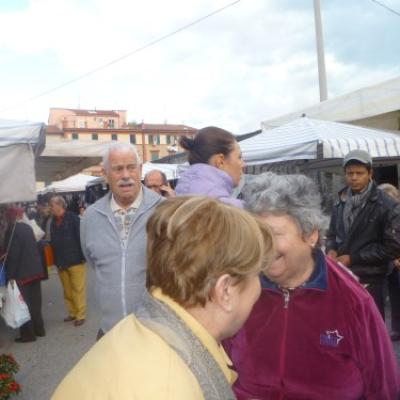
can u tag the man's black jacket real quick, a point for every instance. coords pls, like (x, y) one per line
(65, 240)
(374, 238)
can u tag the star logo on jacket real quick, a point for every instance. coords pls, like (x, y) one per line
(330, 338)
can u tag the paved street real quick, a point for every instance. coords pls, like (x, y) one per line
(44, 362)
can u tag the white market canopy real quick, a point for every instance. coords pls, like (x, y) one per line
(61, 159)
(304, 138)
(171, 171)
(360, 104)
(75, 183)
(78, 182)
(20, 143)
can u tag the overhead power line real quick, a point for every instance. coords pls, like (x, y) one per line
(387, 7)
(116, 60)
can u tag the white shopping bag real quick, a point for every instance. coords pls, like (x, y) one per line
(14, 311)
(3, 291)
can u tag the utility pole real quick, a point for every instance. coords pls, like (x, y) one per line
(323, 91)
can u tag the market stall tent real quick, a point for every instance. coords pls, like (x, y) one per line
(75, 183)
(20, 143)
(316, 148)
(79, 182)
(61, 159)
(312, 139)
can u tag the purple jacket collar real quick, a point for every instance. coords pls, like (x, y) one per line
(206, 180)
(318, 279)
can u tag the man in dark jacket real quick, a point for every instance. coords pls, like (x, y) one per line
(69, 259)
(364, 232)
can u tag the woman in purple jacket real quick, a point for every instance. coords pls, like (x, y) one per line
(216, 165)
(315, 332)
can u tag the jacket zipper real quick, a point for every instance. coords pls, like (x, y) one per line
(123, 248)
(123, 272)
(286, 299)
(123, 262)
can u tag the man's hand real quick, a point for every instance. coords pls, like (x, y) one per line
(332, 254)
(396, 263)
(167, 191)
(12, 282)
(345, 260)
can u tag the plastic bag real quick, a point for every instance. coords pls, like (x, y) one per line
(14, 311)
(37, 231)
(48, 255)
(3, 291)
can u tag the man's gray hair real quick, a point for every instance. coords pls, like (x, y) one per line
(57, 199)
(118, 146)
(293, 195)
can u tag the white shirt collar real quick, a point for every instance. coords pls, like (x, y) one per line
(136, 203)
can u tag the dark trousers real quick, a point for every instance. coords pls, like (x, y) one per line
(376, 290)
(394, 297)
(32, 294)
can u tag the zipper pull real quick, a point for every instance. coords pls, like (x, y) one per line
(286, 297)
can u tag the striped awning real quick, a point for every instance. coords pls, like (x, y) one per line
(299, 140)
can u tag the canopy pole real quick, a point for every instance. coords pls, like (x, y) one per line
(323, 91)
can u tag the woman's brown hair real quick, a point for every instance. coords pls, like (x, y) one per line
(207, 142)
(192, 241)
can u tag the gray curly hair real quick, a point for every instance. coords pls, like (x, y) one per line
(293, 195)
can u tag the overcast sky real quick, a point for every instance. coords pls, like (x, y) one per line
(253, 61)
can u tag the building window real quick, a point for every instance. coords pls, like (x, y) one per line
(172, 140)
(81, 124)
(114, 136)
(111, 123)
(100, 123)
(154, 155)
(154, 139)
(132, 139)
(95, 136)
(75, 136)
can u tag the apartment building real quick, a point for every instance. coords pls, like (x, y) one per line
(152, 140)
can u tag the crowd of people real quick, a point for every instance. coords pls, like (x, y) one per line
(203, 295)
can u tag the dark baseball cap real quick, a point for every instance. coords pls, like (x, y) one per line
(357, 155)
